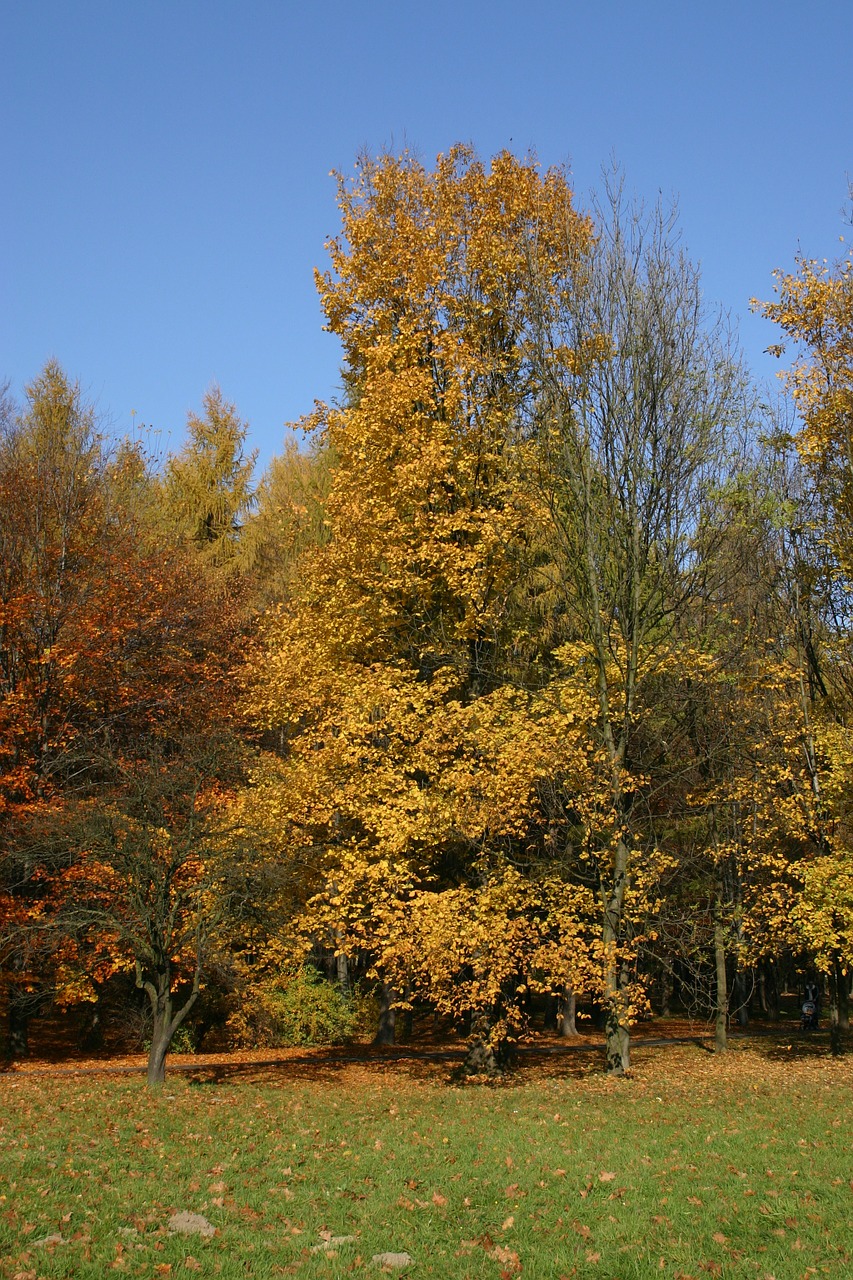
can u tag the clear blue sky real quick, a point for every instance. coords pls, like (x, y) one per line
(166, 190)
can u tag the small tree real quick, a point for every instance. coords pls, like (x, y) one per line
(208, 485)
(140, 890)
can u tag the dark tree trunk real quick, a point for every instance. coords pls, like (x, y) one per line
(842, 997)
(741, 999)
(772, 986)
(19, 1025)
(92, 1028)
(549, 1023)
(722, 1011)
(160, 1040)
(761, 983)
(484, 1056)
(386, 1030)
(617, 1036)
(666, 986)
(165, 1021)
(839, 1018)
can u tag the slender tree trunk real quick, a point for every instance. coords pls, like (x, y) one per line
(740, 999)
(666, 990)
(19, 1026)
(92, 1028)
(720, 1044)
(552, 1004)
(342, 967)
(617, 1036)
(773, 990)
(842, 997)
(21, 1007)
(838, 1013)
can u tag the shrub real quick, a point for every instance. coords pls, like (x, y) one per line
(294, 1009)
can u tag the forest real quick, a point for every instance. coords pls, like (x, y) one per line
(519, 693)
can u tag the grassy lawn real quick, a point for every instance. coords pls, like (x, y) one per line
(695, 1166)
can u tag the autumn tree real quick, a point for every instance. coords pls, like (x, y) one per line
(141, 889)
(288, 520)
(389, 678)
(52, 526)
(114, 649)
(814, 309)
(638, 401)
(208, 485)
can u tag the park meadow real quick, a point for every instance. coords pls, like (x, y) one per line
(695, 1165)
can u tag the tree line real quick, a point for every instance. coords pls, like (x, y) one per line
(527, 683)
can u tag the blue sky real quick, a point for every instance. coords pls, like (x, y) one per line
(166, 188)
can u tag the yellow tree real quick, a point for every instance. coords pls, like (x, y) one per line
(289, 518)
(208, 485)
(814, 309)
(391, 675)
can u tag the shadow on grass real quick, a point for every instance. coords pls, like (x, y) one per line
(545, 1058)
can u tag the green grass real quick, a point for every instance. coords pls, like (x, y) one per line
(695, 1167)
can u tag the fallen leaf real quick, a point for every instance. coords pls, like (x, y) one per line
(606, 1177)
(508, 1257)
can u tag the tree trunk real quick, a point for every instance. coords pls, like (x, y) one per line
(720, 1044)
(160, 1040)
(165, 1023)
(773, 989)
(19, 1026)
(666, 991)
(386, 1030)
(567, 1012)
(342, 965)
(485, 1057)
(842, 997)
(617, 1036)
(91, 1037)
(549, 1023)
(741, 999)
(838, 1013)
